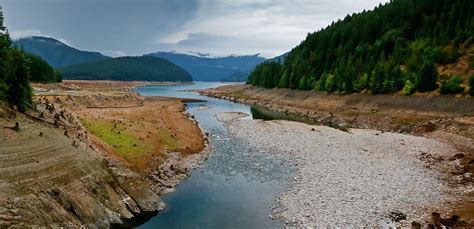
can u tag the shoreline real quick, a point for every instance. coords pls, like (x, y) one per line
(359, 183)
(447, 126)
(129, 177)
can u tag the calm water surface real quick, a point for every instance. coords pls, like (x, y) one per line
(235, 187)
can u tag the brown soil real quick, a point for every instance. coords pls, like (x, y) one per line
(50, 179)
(55, 172)
(445, 118)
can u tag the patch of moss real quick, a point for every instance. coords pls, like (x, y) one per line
(170, 141)
(125, 144)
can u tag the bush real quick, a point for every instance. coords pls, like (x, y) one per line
(471, 85)
(451, 85)
(409, 88)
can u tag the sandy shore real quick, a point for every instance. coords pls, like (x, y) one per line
(356, 178)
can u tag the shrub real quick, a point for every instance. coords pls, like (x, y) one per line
(451, 85)
(409, 88)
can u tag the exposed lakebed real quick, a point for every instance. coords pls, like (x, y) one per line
(236, 186)
(262, 170)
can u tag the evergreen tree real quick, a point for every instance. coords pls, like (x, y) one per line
(19, 91)
(376, 46)
(427, 77)
(2, 27)
(15, 72)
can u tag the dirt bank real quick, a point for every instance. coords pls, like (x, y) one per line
(443, 118)
(92, 157)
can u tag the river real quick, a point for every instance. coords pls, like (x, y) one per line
(236, 186)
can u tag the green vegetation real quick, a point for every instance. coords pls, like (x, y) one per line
(43, 72)
(451, 85)
(393, 47)
(167, 140)
(125, 144)
(145, 68)
(17, 69)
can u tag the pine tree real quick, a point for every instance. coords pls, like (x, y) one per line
(19, 91)
(2, 27)
(427, 77)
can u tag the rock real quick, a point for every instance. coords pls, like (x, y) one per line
(166, 191)
(457, 156)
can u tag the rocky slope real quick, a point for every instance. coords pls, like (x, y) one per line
(55, 173)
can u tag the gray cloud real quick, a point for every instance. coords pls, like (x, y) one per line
(219, 27)
(125, 25)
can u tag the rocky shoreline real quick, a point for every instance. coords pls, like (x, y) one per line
(73, 178)
(351, 179)
(443, 119)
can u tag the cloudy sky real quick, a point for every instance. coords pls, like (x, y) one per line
(218, 27)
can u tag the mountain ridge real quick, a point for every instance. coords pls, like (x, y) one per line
(55, 52)
(207, 68)
(143, 68)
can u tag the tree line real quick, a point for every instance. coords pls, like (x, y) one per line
(18, 69)
(395, 47)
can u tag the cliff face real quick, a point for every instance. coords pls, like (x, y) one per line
(52, 176)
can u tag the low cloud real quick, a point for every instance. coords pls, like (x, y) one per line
(113, 53)
(270, 27)
(15, 35)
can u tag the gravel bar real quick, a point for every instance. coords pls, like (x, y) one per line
(349, 178)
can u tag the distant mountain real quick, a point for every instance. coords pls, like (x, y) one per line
(205, 68)
(145, 68)
(56, 53)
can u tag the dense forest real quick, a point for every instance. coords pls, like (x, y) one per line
(145, 68)
(395, 47)
(17, 69)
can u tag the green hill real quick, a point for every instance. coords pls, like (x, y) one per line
(397, 46)
(55, 52)
(145, 68)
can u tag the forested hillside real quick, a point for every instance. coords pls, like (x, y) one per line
(146, 68)
(399, 46)
(17, 69)
(57, 53)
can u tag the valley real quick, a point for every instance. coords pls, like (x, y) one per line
(237, 114)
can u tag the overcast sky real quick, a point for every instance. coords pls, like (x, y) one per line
(218, 27)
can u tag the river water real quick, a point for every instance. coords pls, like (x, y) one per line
(236, 186)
